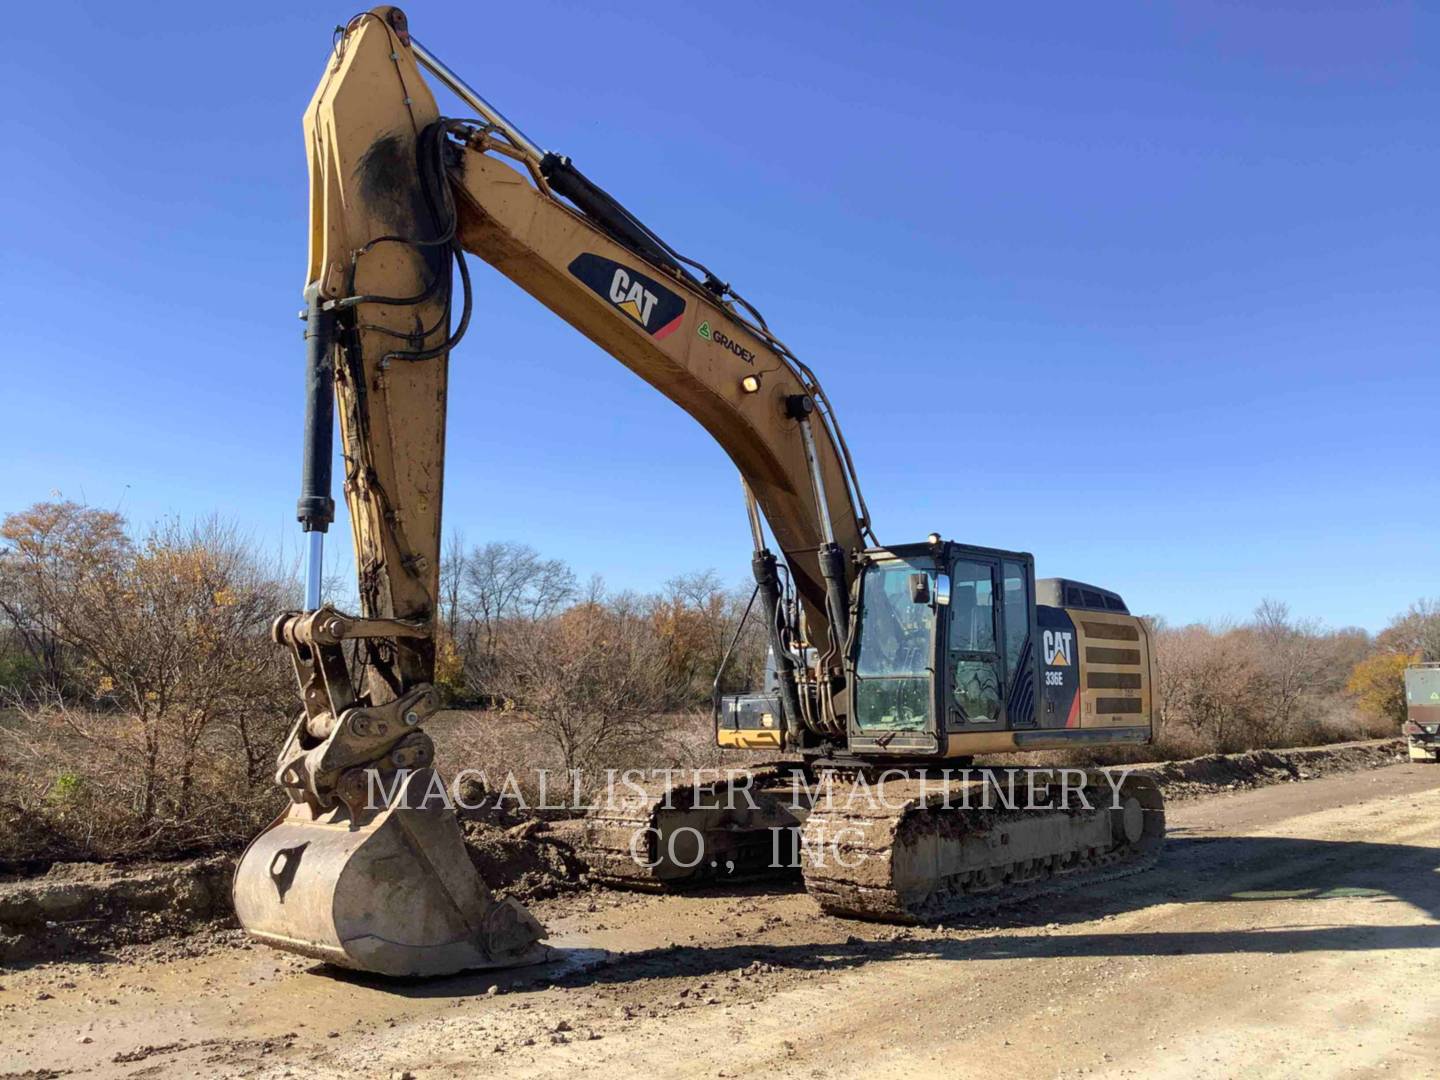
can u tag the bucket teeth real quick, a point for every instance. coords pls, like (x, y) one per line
(391, 891)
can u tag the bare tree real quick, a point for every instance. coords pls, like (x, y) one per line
(1417, 631)
(1213, 684)
(690, 615)
(1163, 692)
(505, 581)
(697, 618)
(453, 561)
(1274, 681)
(591, 680)
(1290, 655)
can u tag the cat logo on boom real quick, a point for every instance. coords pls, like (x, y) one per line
(644, 300)
(631, 297)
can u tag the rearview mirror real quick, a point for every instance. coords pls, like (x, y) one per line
(942, 588)
(920, 588)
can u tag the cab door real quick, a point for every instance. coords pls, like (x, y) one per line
(974, 665)
(894, 707)
(1020, 639)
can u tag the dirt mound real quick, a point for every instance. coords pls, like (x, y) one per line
(80, 909)
(527, 861)
(84, 907)
(1197, 777)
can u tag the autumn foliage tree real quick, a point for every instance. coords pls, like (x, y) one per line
(168, 644)
(1378, 684)
(697, 619)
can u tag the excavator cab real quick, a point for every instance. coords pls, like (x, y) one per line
(941, 645)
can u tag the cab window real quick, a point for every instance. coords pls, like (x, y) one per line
(972, 608)
(974, 662)
(896, 649)
(1017, 612)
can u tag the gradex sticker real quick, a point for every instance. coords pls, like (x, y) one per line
(725, 341)
(651, 305)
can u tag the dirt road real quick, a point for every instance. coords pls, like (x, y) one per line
(1290, 930)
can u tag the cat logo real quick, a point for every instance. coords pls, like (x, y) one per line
(1059, 646)
(631, 297)
(641, 298)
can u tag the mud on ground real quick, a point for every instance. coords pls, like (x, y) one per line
(83, 908)
(1284, 933)
(87, 909)
(528, 861)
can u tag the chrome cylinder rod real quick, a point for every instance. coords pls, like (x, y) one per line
(817, 480)
(753, 512)
(314, 569)
(433, 64)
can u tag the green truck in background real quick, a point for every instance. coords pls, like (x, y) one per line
(1422, 711)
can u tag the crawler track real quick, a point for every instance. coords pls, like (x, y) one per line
(682, 833)
(930, 850)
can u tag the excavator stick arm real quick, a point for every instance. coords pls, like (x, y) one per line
(380, 257)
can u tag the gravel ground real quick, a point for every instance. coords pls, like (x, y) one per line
(1285, 932)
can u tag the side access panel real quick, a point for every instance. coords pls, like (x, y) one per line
(1059, 669)
(1114, 664)
(1095, 680)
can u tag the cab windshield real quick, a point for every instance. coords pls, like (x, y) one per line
(892, 666)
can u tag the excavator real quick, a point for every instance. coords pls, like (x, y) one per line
(896, 661)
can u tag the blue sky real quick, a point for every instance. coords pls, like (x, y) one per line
(1148, 290)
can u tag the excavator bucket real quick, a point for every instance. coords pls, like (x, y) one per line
(390, 891)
